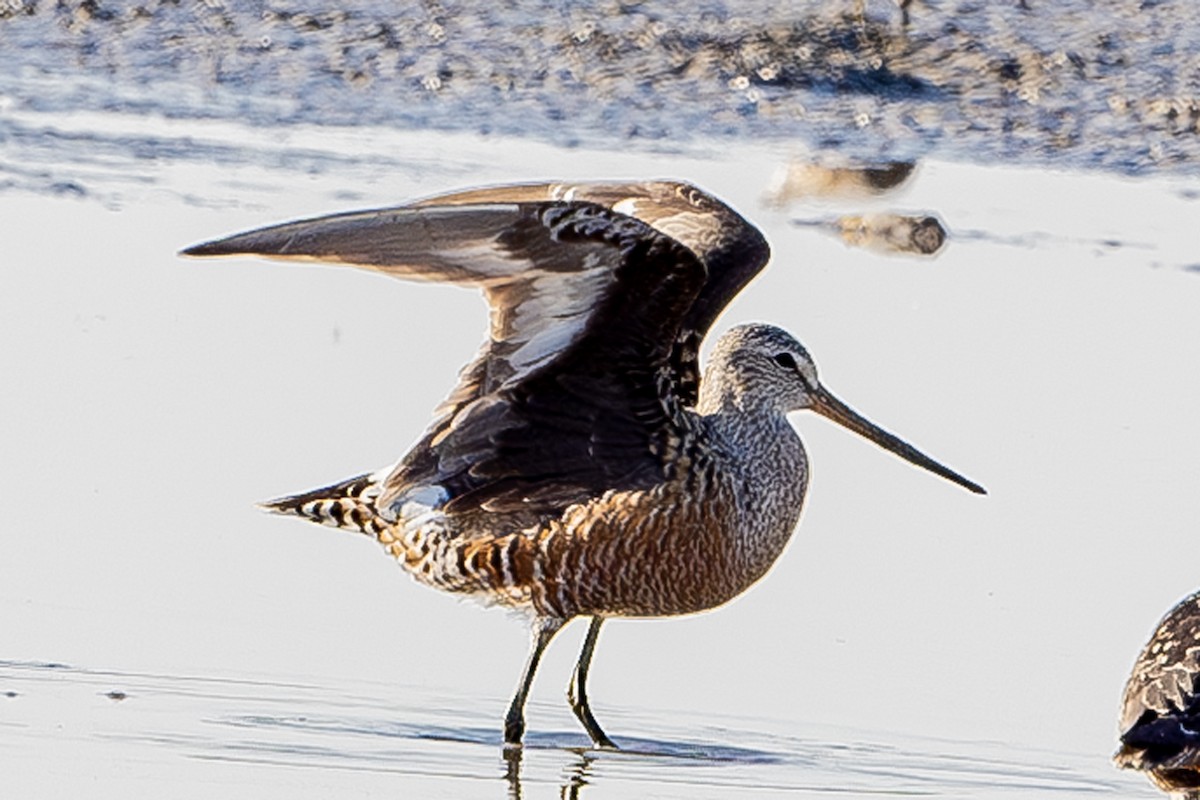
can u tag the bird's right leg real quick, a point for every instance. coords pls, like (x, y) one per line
(542, 632)
(577, 691)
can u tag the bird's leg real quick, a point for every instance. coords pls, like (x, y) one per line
(542, 632)
(577, 691)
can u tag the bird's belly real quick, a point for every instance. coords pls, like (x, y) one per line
(677, 561)
(691, 581)
(632, 554)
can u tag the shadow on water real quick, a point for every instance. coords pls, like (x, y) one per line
(536, 740)
(776, 762)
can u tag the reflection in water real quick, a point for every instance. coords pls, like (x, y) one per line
(577, 776)
(512, 773)
(575, 773)
(894, 233)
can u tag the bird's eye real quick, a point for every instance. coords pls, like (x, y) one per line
(786, 361)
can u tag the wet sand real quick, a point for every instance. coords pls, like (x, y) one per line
(1072, 84)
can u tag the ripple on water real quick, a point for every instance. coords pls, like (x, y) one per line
(264, 725)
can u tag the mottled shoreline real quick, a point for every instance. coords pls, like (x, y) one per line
(1078, 85)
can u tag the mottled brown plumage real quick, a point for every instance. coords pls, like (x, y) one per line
(581, 467)
(1160, 709)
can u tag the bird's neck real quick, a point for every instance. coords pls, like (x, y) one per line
(763, 458)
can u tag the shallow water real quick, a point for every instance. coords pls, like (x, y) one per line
(190, 734)
(913, 640)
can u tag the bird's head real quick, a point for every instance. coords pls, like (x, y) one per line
(760, 368)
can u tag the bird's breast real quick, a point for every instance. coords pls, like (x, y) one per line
(685, 546)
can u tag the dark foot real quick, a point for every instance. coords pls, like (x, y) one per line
(599, 737)
(584, 713)
(514, 729)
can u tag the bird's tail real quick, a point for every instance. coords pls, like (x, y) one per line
(348, 505)
(426, 552)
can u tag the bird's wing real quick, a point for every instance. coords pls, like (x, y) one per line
(732, 249)
(1163, 685)
(578, 388)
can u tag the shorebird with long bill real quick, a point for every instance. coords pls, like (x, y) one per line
(582, 467)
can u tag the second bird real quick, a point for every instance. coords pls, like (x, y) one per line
(581, 467)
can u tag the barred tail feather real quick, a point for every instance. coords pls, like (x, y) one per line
(492, 567)
(348, 505)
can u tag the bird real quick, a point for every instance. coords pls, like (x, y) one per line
(860, 11)
(1160, 707)
(583, 467)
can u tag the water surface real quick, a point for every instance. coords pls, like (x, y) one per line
(184, 733)
(161, 635)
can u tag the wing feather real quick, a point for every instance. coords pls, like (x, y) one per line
(1164, 680)
(732, 249)
(600, 295)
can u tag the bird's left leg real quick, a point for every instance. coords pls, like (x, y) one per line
(577, 691)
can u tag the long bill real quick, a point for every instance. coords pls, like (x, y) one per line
(830, 407)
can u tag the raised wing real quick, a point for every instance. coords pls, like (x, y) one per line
(732, 249)
(575, 392)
